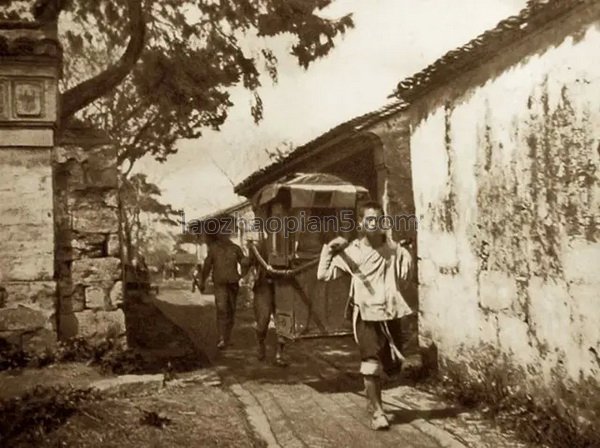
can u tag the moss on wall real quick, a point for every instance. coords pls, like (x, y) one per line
(508, 197)
(545, 195)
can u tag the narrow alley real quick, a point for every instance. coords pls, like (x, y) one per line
(317, 401)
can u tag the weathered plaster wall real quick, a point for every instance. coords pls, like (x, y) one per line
(392, 163)
(505, 171)
(350, 159)
(88, 263)
(393, 172)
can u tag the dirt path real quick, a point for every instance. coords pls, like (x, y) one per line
(317, 401)
(187, 415)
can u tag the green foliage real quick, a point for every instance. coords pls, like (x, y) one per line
(81, 350)
(72, 350)
(280, 152)
(159, 248)
(194, 53)
(25, 419)
(109, 355)
(13, 357)
(16, 9)
(142, 198)
(564, 414)
(482, 380)
(152, 418)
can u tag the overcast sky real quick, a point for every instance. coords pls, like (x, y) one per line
(392, 39)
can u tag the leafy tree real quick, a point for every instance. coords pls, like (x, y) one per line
(280, 152)
(247, 160)
(160, 248)
(142, 199)
(15, 10)
(150, 72)
(160, 70)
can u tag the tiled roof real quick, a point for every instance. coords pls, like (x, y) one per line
(225, 211)
(346, 129)
(28, 39)
(29, 47)
(536, 15)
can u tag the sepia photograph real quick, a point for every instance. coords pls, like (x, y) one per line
(300, 223)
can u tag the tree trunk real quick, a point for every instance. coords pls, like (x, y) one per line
(83, 94)
(127, 229)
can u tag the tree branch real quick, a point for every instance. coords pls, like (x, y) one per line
(131, 147)
(124, 120)
(131, 163)
(83, 94)
(222, 170)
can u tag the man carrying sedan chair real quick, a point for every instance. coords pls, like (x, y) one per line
(377, 267)
(264, 303)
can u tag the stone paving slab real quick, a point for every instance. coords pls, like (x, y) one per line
(298, 416)
(317, 401)
(470, 427)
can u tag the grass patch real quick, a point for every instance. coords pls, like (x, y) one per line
(194, 416)
(109, 355)
(183, 415)
(26, 419)
(13, 357)
(563, 414)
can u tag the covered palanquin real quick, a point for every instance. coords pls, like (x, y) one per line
(299, 214)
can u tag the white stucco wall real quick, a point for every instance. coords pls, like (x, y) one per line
(505, 168)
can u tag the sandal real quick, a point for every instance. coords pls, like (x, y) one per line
(371, 410)
(379, 422)
(280, 362)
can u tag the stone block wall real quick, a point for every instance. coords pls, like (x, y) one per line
(27, 247)
(88, 249)
(28, 89)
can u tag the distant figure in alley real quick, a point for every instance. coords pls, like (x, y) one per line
(264, 302)
(377, 267)
(227, 263)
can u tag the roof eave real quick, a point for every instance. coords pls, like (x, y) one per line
(485, 47)
(274, 171)
(224, 211)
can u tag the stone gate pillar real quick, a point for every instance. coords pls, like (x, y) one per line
(29, 69)
(88, 247)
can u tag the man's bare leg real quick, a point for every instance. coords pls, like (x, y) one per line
(372, 381)
(279, 358)
(262, 316)
(260, 346)
(373, 391)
